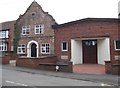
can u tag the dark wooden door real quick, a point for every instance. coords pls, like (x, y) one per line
(89, 51)
(33, 50)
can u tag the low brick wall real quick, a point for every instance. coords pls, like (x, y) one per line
(5, 59)
(68, 67)
(112, 68)
(116, 69)
(39, 63)
(8, 56)
(34, 62)
(108, 67)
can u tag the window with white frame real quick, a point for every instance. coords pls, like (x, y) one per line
(39, 29)
(4, 34)
(21, 49)
(117, 45)
(3, 46)
(45, 48)
(25, 30)
(64, 46)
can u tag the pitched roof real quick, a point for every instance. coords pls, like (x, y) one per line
(86, 20)
(33, 3)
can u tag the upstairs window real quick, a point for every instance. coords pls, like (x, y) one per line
(64, 46)
(21, 49)
(25, 30)
(45, 48)
(117, 45)
(39, 29)
(3, 46)
(4, 34)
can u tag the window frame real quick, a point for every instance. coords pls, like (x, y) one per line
(115, 45)
(26, 29)
(4, 34)
(3, 46)
(40, 29)
(64, 50)
(20, 46)
(45, 48)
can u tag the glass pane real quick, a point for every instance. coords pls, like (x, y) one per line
(117, 44)
(64, 46)
(37, 30)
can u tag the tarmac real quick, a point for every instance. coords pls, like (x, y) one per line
(106, 79)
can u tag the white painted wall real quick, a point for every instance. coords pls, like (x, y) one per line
(76, 51)
(103, 50)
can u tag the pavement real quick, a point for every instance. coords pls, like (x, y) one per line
(100, 78)
(89, 69)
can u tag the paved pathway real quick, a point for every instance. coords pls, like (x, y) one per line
(89, 69)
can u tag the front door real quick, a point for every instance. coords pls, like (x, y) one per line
(89, 51)
(33, 50)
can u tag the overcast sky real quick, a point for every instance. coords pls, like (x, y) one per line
(62, 10)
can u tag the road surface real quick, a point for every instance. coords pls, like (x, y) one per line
(19, 78)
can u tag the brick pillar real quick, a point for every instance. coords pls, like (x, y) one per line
(108, 67)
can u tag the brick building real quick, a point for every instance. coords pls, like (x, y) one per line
(6, 40)
(34, 33)
(34, 38)
(89, 41)
(42, 43)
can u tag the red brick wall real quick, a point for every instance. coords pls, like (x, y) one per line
(112, 68)
(5, 59)
(86, 29)
(34, 62)
(43, 64)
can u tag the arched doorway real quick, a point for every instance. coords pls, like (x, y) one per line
(33, 50)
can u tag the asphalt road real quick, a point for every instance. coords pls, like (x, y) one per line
(18, 78)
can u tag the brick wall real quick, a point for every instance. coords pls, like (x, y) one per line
(46, 63)
(34, 62)
(6, 59)
(86, 28)
(112, 68)
(40, 17)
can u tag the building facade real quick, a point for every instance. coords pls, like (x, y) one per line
(34, 33)
(42, 43)
(88, 41)
(6, 40)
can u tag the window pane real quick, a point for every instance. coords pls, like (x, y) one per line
(117, 44)
(25, 30)
(64, 46)
(39, 29)
(21, 49)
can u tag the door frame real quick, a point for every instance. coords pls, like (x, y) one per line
(86, 45)
(33, 50)
(29, 48)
